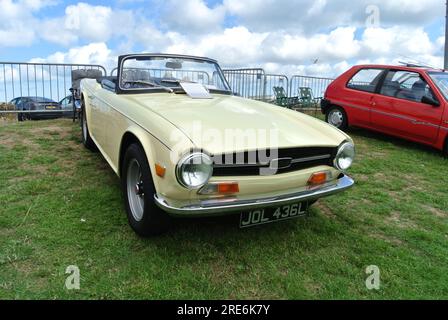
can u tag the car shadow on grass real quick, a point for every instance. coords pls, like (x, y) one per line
(229, 226)
(396, 141)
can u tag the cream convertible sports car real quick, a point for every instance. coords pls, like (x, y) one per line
(183, 145)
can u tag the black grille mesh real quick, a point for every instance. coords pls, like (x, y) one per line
(250, 163)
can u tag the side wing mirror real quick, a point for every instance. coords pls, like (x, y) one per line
(431, 101)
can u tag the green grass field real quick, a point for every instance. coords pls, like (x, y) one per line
(61, 205)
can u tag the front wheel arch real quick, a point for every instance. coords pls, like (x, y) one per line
(127, 140)
(136, 135)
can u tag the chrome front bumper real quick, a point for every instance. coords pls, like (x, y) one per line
(222, 206)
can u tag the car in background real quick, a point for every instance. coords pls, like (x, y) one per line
(158, 124)
(67, 106)
(405, 101)
(36, 104)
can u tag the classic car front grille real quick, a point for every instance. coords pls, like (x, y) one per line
(252, 163)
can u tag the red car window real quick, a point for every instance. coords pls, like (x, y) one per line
(365, 80)
(406, 85)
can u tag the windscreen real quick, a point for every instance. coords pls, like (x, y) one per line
(441, 81)
(149, 72)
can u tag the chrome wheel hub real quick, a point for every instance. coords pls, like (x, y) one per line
(139, 189)
(336, 118)
(135, 189)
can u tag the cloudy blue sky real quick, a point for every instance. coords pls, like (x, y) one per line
(312, 37)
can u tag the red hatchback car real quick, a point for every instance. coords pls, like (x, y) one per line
(407, 102)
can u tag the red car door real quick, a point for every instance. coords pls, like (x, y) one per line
(359, 93)
(398, 108)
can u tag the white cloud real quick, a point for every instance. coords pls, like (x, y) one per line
(338, 44)
(312, 15)
(9, 36)
(89, 23)
(17, 23)
(151, 38)
(317, 7)
(397, 40)
(94, 53)
(62, 36)
(192, 16)
(325, 55)
(22, 8)
(234, 46)
(313, 37)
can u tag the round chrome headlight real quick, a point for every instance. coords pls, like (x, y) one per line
(194, 170)
(345, 156)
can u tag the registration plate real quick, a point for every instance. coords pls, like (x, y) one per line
(50, 107)
(274, 214)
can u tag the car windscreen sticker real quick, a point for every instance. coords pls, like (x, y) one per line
(195, 90)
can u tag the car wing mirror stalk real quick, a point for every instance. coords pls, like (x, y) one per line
(430, 101)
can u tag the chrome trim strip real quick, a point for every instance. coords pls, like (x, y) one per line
(342, 103)
(357, 107)
(236, 165)
(412, 120)
(298, 160)
(274, 164)
(398, 116)
(222, 206)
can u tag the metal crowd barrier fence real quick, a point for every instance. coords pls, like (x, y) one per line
(254, 83)
(271, 81)
(248, 83)
(317, 86)
(45, 80)
(53, 81)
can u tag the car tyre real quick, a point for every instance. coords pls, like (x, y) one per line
(337, 117)
(144, 216)
(20, 117)
(86, 138)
